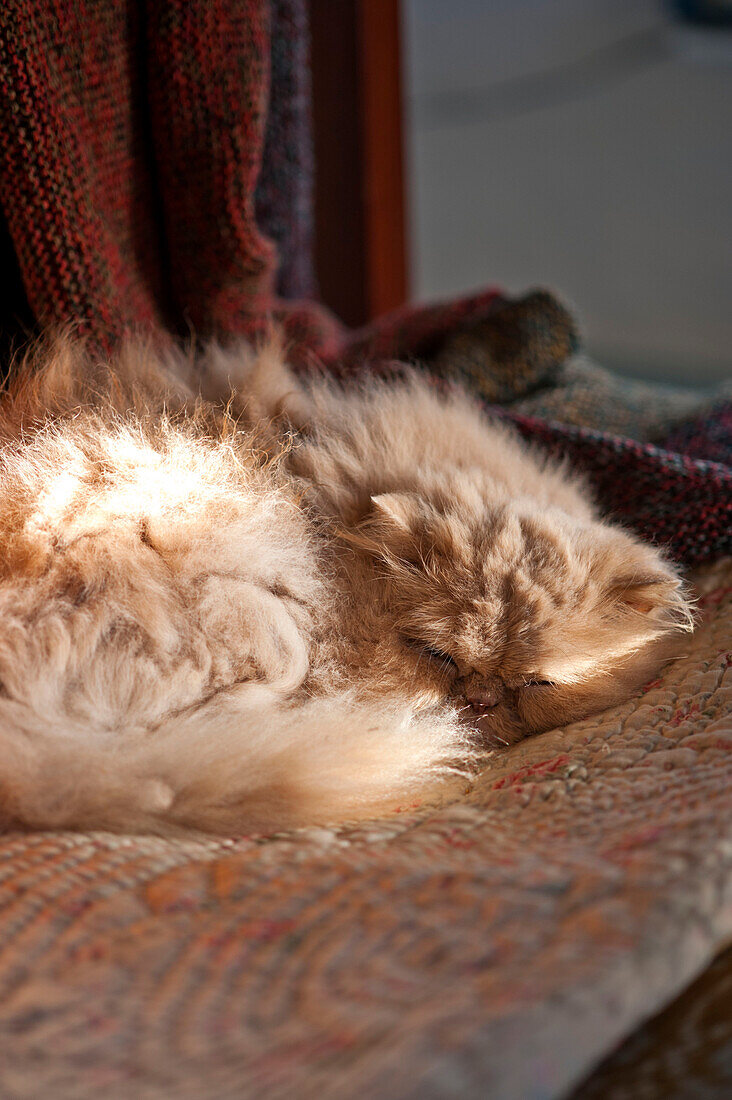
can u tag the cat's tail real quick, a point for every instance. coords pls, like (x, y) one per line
(229, 768)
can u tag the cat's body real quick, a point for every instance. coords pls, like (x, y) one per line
(281, 606)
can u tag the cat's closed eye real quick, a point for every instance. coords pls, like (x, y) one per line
(448, 663)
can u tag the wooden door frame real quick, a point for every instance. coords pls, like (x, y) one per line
(360, 222)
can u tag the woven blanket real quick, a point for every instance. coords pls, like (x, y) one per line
(496, 946)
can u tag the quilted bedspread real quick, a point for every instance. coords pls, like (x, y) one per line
(495, 946)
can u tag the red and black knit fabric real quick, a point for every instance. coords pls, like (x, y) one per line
(155, 170)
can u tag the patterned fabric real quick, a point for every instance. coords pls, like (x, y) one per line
(678, 494)
(524, 356)
(683, 503)
(494, 947)
(706, 436)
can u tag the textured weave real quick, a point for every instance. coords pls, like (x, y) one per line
(130, 153)
(147, 148)
(497, 946)
(155, 170)
(522, 356)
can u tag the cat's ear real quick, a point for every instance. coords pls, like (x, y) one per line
(391, 527)
(401, 511)
(656, 595)
(396, 523)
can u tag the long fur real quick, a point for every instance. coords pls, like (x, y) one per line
(232, 601)
(151, 652)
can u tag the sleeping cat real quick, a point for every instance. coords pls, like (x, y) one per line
(234, 600)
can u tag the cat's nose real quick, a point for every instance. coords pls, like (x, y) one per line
(482, 698)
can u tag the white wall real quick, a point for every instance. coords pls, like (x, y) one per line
(584, 145)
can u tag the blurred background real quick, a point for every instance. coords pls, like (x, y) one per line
(585, 145)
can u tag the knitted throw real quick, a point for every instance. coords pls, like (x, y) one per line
(155, 171)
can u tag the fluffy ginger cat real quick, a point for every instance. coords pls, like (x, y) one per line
(232, 600)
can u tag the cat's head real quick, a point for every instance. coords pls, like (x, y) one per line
(526, 617)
